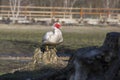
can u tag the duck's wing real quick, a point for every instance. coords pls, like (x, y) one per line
(47, 36)
(51, 38)
(60, 38)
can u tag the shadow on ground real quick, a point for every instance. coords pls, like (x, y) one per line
(29, 75)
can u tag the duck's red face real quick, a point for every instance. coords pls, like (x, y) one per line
(57, 25)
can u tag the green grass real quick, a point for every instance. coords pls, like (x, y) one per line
(77, 40)
(20, 35)
(1, 73)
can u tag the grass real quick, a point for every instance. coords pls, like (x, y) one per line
(86, 36)
(7, 66)
(25, 38)
(83, 40)
(74, 37)
(21, 40)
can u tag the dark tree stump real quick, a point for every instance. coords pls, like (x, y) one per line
(112, 41)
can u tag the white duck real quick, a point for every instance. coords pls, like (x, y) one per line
(53, 38)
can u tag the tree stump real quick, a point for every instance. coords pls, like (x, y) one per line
(45, 57)
(112, 41)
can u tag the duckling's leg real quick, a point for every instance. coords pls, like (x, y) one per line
(55, 49)
(47, 48)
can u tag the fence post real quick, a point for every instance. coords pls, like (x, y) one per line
(81, 13)
(53, 12)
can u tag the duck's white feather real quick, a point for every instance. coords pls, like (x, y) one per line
(53, 37)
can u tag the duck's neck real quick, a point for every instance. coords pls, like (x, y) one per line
(57, 31)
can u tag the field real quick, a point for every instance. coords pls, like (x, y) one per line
(21, 40)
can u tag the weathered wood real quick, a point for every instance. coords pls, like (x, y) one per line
(113, 70)
(44, 57)
(112, 41)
